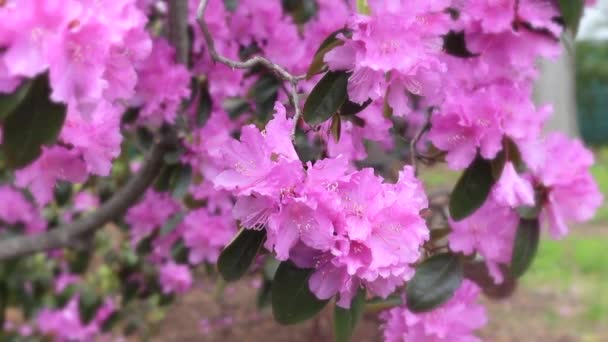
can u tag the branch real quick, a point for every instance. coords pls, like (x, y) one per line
(413, 145)
(66, 236)
(250, 63)
(178, 29)
(71, 234)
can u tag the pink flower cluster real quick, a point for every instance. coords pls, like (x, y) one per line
(456, 320)
(565, 195)
(100, 58)
(395, 50)
(16, 209)
(65, 324)
(350, 226)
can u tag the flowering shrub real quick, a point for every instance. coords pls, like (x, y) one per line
(222, 134)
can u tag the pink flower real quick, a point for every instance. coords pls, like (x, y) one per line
(395, 50)
(512, 189)
(97, 137)
(205, 235)
(55, 163)
(572, 194)
(163, 84)
(65, 324)
(150, 214)
(490, 231)
(175, 278)
(15, 209)
(264, 163)
(456, 320)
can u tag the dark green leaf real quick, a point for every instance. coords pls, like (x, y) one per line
(89, 303)
(350, 108)
(572, 11)
(235, 259)
(326, 97)
(174, 156)
(180, 180)
(62, 299)
(163, 181)
(166, 299)
(231, 5)
(345, 320)
(525, 247)
(454, 43)
(336, 127)
(205, 105)
(171, 224)
(435, 281)
(110, 322)
(292, 300)
(264, 294)
(180, 252)
(78, 261)
(3, 300)
(265, 92)
(301, 10)
(36, 121)
(63, 192)
(8, 102)
(145, 246)
(327, 45)
(270, 267)
(472, 189)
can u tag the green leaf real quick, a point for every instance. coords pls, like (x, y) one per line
(327, 45)
(292, 300)
(472, 189)
(231, 5)
(205, 104)
(180, 253)
(363, 7)
(172, 224)
(180, 180)
(525, 247)
(3, 300)
(89, 303)
(572, 11)
(36, 121)
(8, 102)
(345, 320)
(110, 322)
(264, 93)
(235, 259)
(336, 127)
(435, 281)
(326, 97)
(301, 10)
(350, 108)
(264, 294)
(454, 43)
(63, 192)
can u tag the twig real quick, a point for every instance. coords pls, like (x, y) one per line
(250, 63)
(413, 144)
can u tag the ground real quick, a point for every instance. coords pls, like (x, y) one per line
(563, 297)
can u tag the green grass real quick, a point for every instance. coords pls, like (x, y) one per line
(600, 172)
(577, 262)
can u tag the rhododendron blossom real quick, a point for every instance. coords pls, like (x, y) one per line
(455, 320)
(282, 142)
